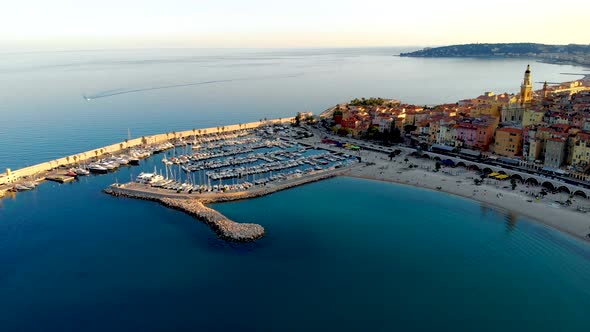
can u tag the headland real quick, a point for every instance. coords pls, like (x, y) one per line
(572, 53)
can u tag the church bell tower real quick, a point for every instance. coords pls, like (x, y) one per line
(526, 89)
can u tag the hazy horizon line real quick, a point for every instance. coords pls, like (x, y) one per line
(58, 49)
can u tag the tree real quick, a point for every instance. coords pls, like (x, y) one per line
(394, 133)
(392, 155)
(367, 102)
(409, 128)
(373, 132)
(298, 119)
(343, 131)
(406, 160)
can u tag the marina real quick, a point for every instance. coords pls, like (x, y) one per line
(209, 168)
(229, 170)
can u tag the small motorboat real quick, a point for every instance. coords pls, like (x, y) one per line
(82, 171)
(21, 187)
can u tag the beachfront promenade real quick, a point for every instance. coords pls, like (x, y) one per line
(194, 203)
(523, 177)
(13, 176)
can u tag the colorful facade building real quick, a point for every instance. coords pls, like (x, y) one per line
(550, 125)
(508, 142)
(555, 152)
(532, 117)
(581, 150)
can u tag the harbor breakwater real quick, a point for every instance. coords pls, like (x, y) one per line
(194, 203)
(12, 176)
(225, 228)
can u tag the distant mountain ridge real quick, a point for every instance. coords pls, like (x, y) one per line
(574, 53)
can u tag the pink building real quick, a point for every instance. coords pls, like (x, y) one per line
(477, 133)
(467, 134)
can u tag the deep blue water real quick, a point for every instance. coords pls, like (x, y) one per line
(344, 254)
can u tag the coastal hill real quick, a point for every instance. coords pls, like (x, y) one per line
(573, 53)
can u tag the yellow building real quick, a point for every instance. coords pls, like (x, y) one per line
(526, 89)
(570, 87)
(434, 130)
(581, 149)
(508, 142)
(492, 104)
(532, 117)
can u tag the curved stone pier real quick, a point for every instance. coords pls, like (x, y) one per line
(225, 228)
(194, 203)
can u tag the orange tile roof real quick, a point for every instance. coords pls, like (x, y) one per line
(510, 130)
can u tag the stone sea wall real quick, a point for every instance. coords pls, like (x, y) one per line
(15, 175)
(225, 228)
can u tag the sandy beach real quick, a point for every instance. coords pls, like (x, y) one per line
(496, 193)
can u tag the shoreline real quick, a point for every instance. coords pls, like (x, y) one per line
(496, 206)
(577, 225)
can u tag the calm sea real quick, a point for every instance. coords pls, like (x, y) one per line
(343, 254)
(44, 115)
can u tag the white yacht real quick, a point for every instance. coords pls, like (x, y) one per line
(96, 168)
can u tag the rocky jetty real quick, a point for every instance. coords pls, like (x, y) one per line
(225, 228)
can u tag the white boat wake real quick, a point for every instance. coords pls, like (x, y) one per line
(117, 92)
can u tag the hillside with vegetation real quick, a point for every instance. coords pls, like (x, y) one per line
(574, 53)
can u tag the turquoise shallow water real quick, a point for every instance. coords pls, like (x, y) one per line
(345, 254)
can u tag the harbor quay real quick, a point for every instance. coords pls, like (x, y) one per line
(57, 168)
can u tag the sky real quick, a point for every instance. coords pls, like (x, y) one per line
(94, 24)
